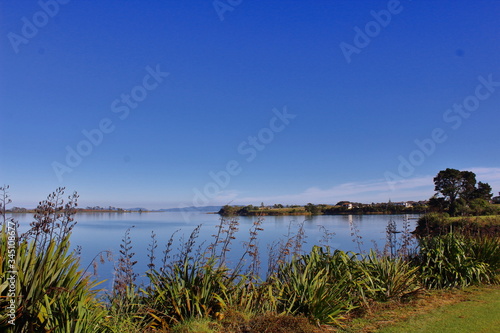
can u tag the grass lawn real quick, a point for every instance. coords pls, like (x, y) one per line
(480, 312)
(486, 219)
(474, 309)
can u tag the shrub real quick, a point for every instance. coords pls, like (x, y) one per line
(454, 260)
(306, 286)
(52, 293)
(393, 278)
(431, 224)
(193, 289)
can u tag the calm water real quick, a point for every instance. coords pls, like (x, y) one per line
(97, 232)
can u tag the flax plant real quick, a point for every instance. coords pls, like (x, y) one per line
(393, 278)
(52, 293)
(454, 260)
(308, 286)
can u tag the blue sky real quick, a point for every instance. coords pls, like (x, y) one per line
(177, 103)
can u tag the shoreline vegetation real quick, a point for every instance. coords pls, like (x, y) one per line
(191, 287)
(341, 208)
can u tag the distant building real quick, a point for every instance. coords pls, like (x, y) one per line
(496, 200)
(345, 204)
(404, 204)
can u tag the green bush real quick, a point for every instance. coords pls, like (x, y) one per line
(431, 224)
(455, 260)
(52, 292)
(306, 286)
(394, 278)
(190, 289)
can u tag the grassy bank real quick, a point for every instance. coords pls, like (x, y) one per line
(472, 309)
(441, 223)
(479, 311)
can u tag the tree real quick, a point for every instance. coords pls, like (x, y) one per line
(449, 183)
(468, 185)
(228, 210)
(483, 191)
(311, 208)
(457, 189)
(438, 203)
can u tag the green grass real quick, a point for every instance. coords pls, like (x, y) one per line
(472, 309)
(485, 219)
(279, 211)
(196, 325)
(479, 312)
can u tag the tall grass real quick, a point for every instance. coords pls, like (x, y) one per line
(308, 286)
(51, 292)
(394, 278)
(457, 260)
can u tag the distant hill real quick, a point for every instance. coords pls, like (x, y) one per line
(192, 209)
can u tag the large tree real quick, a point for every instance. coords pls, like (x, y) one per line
(457, 188)
(483, 191)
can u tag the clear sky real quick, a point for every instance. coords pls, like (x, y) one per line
(162, 104)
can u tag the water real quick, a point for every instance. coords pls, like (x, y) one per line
(97, 232)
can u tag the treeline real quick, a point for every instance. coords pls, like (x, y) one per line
(323, 209)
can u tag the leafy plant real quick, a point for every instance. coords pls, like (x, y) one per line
(305, 286)
(52, 294)
(193, 289)
(451, 261)
(394, 278)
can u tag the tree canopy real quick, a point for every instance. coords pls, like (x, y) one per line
(456, 189)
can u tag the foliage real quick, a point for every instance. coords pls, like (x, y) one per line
(53, 219)
(322, 209)
(197, 325)
(455, 190)
(127, 312)
(52, 293)
(394, 278)
(228, 210)
(441, 223)
(313, 209)
(431, 223)
(193, 289)
(125, 276)
(455, 260)
(197, 283)
(307, 286)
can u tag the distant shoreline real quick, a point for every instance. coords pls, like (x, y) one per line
(330, 214)
(30, 211)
